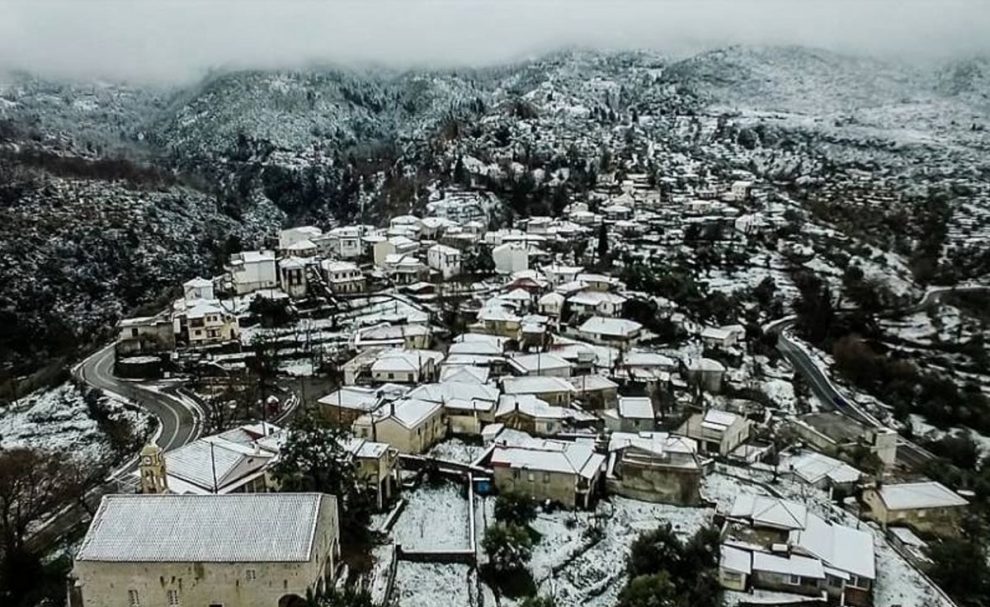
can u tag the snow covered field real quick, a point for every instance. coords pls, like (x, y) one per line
(58, 419)
(567, 565)
(434, 519)
(456, 450)
(434, 584)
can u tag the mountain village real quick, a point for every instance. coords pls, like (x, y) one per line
(469, 362)
(596, 329)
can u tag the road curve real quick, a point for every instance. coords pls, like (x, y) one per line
(180, 422)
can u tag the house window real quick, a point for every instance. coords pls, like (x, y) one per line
(251, 575)
(794, 580)
(132, 599)
(173, 598)
(858, 582)
(134, 332)
(546, 477)
(530, 477)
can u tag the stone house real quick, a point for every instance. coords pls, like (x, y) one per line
(562, 472)
(654, 467)
(173, 550)
(409, 425)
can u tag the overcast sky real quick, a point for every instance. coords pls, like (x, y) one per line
(181, 39)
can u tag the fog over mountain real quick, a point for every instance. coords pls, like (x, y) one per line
(170, 40)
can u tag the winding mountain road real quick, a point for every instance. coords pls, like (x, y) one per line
(825, 389)
(180, 420)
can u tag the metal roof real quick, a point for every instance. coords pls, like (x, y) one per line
(256, 527)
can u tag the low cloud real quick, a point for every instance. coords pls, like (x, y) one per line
(168, 40)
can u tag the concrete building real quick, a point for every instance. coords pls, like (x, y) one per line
(292, 236)
(633, 414)
(510, 257)
(654, 467)
(925, 506)
(198, 289)
(717, 432)
(596, 303)
(774, 544)
(343, 276)
(535, 416)
(398, 245)
(238, 550)
(292, 276)
(341, 243)
(250, 271)
(206, 322)
(833, 433)
(145, 334)
(705, 373)
(445, 260)
(556, 391)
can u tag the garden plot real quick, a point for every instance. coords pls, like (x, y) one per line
(577, 571)
(435, 519)
(435, 584)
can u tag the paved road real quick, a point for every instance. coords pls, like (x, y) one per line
(180, 420)
(825, 390)
(821, 385)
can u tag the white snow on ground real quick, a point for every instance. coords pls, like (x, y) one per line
(898, 583)
(456, 450)
(594, 577)
(922, 428)
(434, 519)
(781, 392)
(58, 419)
(297, 367)
(722, 489)
(434, 584)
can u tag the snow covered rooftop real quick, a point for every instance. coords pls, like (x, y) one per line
(769, 511)
(410, 412)
(535, 385)
(812, 467)
(788, 565)
(464, 374)
(614, 327)
(352, 397)
(734, 559)
(574, 458)
(652, 442)
(636, 407)
(235, 528)
(915, 496)
(540, 362)
(452, 390)
(842, 548)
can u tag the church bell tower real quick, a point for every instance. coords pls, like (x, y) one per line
(152, 466)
